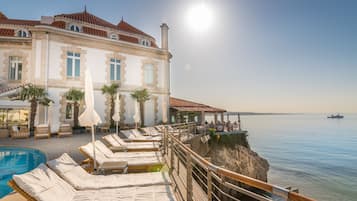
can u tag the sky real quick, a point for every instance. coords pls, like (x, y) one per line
(255, 55)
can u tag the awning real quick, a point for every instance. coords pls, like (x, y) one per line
(197, 109)
(189, 106)
(8, 104)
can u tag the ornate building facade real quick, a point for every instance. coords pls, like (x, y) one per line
(54, 53)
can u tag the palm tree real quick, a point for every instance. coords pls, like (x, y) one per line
(141, 96)
(111, 90)
(76, 96)
(35, 95)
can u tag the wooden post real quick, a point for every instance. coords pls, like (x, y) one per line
(203, 118)
(189, 196)
(239, 125)
(209, 185)
(171, 156)
(215, 118)
(222, 117)
(164, 140)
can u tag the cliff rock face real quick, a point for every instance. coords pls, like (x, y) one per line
(233, 152)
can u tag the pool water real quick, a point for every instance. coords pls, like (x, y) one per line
(16, 160)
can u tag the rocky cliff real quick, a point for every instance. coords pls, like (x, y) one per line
(232, 152)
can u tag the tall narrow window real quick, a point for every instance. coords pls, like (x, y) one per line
(114, 69)
(148, 74)
(15, 68)
(73, 64)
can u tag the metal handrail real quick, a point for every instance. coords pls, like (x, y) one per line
(170, 141)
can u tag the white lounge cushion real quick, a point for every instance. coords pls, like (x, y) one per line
(116, 137)
(152, 193)
(151, 131)
(81, 180)
(112, 142)
(134, 134)
(101, 158)
(110, 154)
(44, 185)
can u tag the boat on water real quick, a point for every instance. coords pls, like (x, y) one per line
(337, 116)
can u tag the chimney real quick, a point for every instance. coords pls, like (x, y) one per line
(164, 36)
(47, 19)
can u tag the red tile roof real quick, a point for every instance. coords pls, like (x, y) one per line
(95, 32)
(128, 38)
(189, 106)
(124, 26)
(2, 16)
(59, 24)
(7, 32)
(89, 18)
(20, 22)
(83, 17)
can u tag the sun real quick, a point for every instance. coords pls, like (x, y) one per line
(200, 17)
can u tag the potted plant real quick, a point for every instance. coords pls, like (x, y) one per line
(141, 96)
(111, 91)
(75, 96)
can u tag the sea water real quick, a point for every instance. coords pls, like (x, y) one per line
(309, 152)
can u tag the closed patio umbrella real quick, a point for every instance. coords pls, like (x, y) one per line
(89, 117)
(137, 114)
(116, 116)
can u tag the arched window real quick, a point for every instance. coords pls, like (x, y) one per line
(74, 27)
(145, 42)
(22, 33)
(114, 36)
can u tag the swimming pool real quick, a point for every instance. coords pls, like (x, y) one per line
(16, 160)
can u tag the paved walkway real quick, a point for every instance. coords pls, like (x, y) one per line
(54, 146)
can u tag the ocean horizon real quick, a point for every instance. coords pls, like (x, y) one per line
(309, 152)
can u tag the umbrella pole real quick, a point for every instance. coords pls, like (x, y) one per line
(117, 129)
(93, 143)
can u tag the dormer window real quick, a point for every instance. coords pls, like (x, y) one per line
(22, 33)
(114, 36)
(74, 28)
(145, 42)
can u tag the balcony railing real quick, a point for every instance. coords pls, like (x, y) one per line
(196, 178)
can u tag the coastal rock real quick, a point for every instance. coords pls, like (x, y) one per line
(241, 160)
(232, 152)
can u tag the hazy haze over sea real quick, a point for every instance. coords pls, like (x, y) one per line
(309, 152)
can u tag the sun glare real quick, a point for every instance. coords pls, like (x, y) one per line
(200, 17)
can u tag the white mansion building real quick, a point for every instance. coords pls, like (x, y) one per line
(54, 53)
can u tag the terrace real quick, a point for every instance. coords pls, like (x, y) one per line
(194, 177)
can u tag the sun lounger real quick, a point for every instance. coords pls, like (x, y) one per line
(75, 175)
(65, 130)
(151, 131)
(117, 144)
(42, 131)
(133, 164)
(23, 132)
(110, 154)
(134, 135)
(42, 184)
